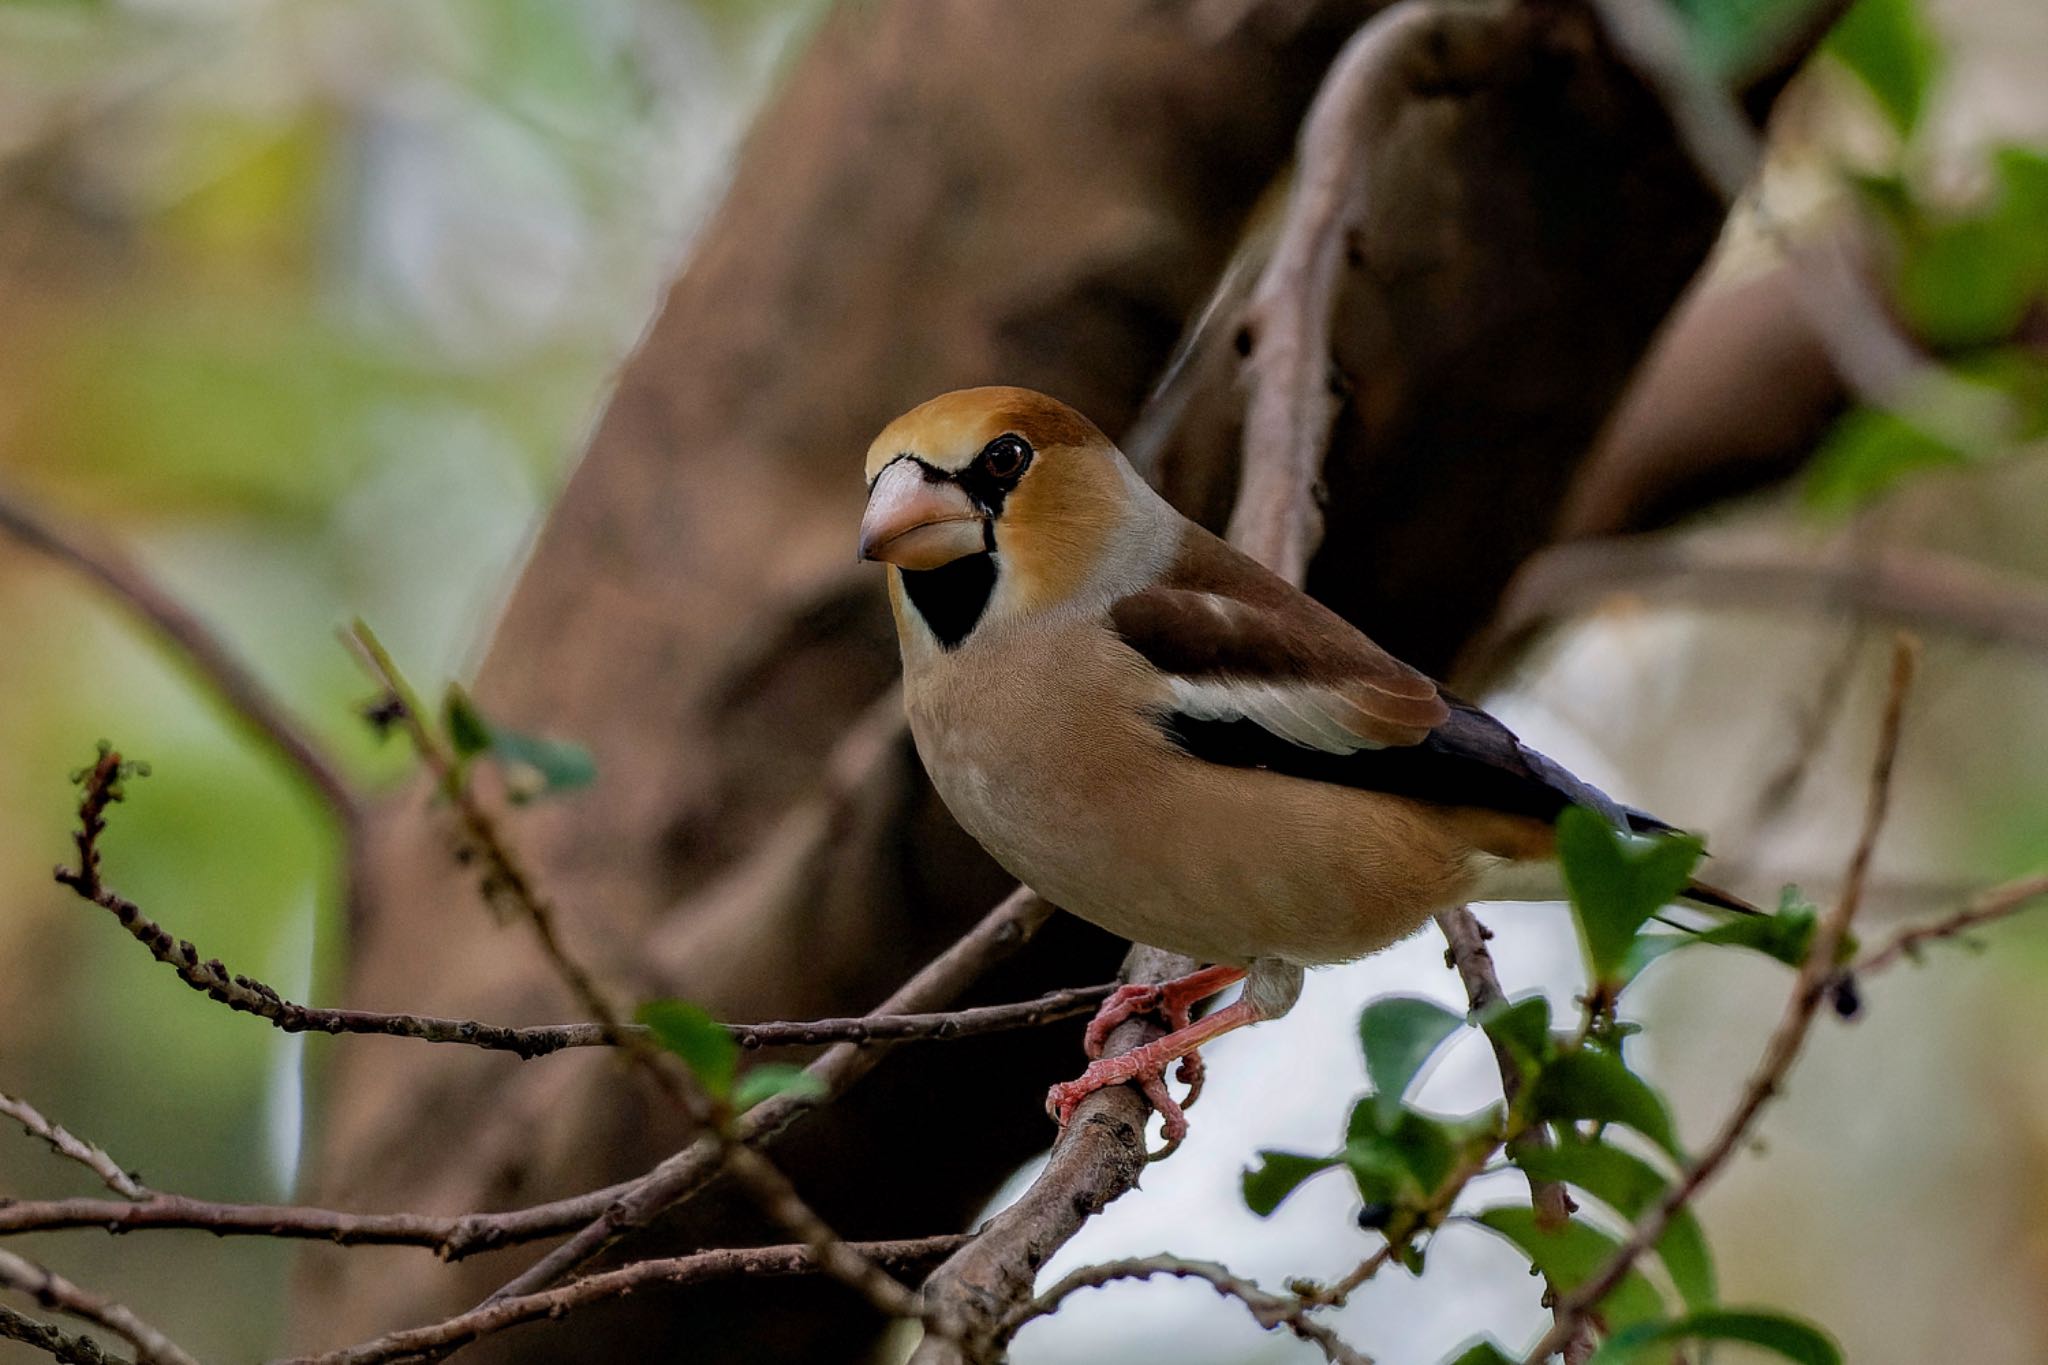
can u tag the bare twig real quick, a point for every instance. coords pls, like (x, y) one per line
(73, 1148)
(250, 996)
(1996, 903)
(193, 641)
(912, 1254)
(40, 1336)
(1816, 976)
(1002, 931)
(52, 1290)
(1269, 1310)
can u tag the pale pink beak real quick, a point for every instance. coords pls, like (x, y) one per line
(917, 523)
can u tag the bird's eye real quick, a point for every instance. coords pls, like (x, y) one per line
(1005, 457)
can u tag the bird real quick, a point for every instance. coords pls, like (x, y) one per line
(1155, 732)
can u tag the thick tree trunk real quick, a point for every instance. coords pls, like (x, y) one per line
(947, 193)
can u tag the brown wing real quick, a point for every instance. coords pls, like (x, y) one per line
(1260, 675)
(1234, 639)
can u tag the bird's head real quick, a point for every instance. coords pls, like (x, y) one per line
(995, 501)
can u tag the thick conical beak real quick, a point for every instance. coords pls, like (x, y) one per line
(918, 523)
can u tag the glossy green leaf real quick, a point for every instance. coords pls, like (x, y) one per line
(775, 1078)
(1399, 1160)
(554, 765)
(1630, 1185)
(1617, 881)
(1522, 1029)
(693, 1035)
(467, 731)
(1785, 1336)
(1593, 1085)
(1569, 1255)
(1399, 1033)
(1784, 937)
(1890, 47)
(1278, 1175)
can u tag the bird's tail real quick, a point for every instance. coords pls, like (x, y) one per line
(1701, 893)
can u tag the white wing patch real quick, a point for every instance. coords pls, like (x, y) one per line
(1300, 713)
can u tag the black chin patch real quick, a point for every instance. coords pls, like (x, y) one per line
(951, 597)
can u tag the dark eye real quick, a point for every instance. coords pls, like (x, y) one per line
(1005, 457)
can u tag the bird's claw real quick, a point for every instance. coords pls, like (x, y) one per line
(1063, 1099)
(1129, 1001)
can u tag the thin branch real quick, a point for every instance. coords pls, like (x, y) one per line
(1996, 903)
(1002, 931)
(73, 1148)
(505, 877)
(911, 1254)
(52, 1290)
(193, 641)
(1269, 1310)
(1816, 976)
(247, 995)
(40, 1336)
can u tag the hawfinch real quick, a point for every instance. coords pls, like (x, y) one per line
(1154, 732)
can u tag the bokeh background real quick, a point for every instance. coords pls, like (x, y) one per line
(309, 304)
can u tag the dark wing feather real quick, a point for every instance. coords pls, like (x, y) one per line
(1263, 676)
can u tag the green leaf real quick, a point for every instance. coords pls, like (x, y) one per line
(1617, 882)
(770, 1079)
(1399, 1033)
(1595, 1085)
(1865, 453)
(1399, 1161)
(1522, 1029)
(556, 765)
(1630, 1185)
(1785, 937)
(1789, 1337)
(1278, 1175)
(1889, 46)
(465, 724)
(697, 1038)
(1485, 1351)
(1569, 1255)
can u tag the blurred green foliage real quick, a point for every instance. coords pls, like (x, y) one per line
(307, 305)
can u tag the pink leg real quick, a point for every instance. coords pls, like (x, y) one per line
(1173, 1000)
(1147, 1066)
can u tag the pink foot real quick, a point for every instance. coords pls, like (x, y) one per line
(1146, 1065)
(1064, 1098)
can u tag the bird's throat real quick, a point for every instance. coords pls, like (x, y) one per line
(952, 597)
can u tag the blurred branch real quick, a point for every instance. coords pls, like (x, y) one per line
(1921, 588)
(1996, 903)
(192, 640)
(40, 1336)
(54, 1291)
(1270, 1311)
(1415, 47)
(73, 1148)
(1817, 975)
(911, 1254)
